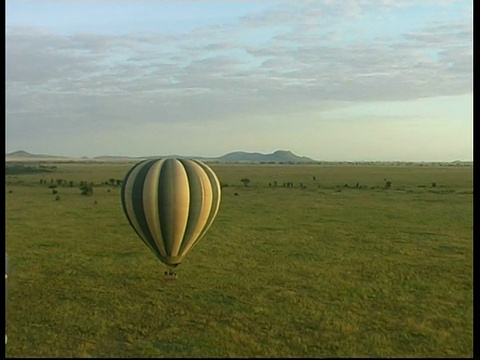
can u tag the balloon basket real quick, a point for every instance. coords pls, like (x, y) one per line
(170, 275)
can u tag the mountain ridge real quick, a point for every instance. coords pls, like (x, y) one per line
(278, 156)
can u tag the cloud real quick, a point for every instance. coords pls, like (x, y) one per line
(293, 55)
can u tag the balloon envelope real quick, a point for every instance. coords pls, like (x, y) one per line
(170, 203)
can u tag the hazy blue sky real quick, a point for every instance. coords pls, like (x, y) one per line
(333, 80)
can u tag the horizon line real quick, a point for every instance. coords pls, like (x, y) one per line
(66, 157)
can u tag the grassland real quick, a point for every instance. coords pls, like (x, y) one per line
(341, 267)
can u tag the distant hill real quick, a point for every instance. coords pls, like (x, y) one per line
(22, 155)
(279, 156)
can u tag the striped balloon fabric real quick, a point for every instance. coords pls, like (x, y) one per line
(170, 203)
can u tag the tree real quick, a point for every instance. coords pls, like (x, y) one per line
(245, 181)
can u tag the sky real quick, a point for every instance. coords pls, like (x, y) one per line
(350, 80)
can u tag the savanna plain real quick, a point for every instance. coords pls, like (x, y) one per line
(309, 260)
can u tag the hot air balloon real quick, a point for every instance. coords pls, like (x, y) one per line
(170, 203)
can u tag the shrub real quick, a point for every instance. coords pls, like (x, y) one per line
(86, 190)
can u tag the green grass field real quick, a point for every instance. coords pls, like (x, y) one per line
(342, 267)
